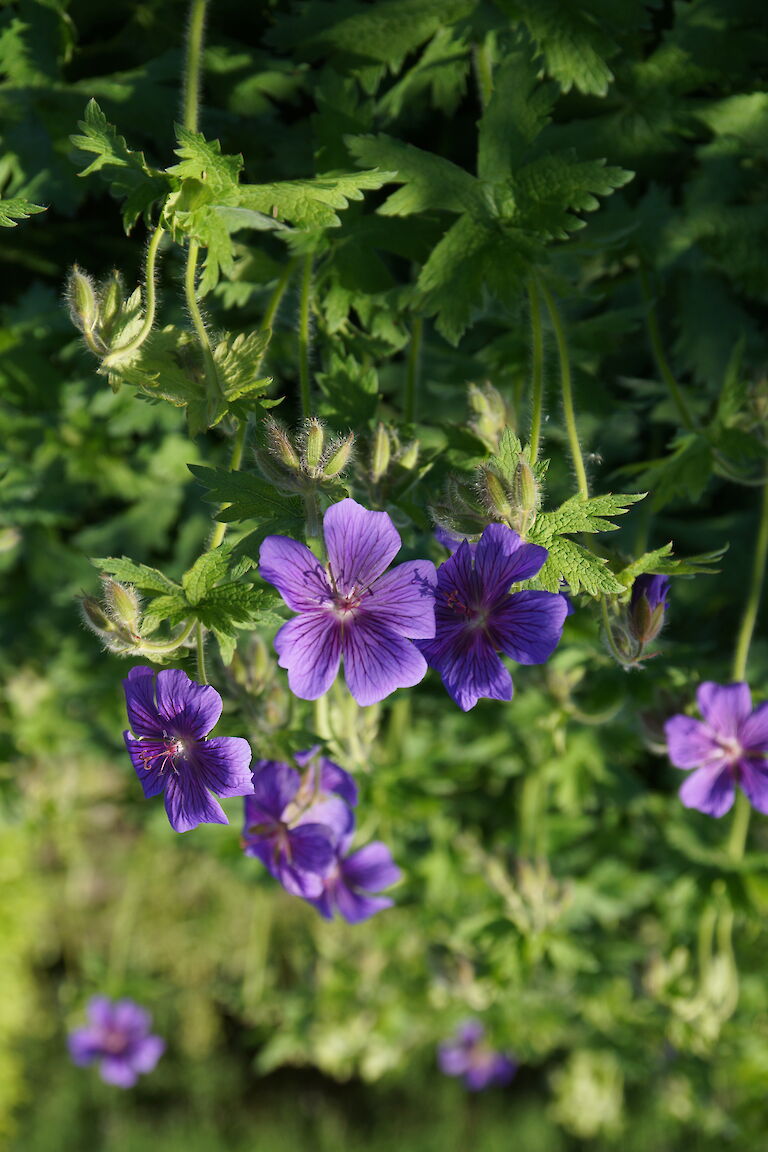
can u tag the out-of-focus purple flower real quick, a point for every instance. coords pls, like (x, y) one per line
(170, 752)
(349, 885)
(477, 617)
(647, 607)
(450, 539)
(118, 1037)
(727, 748)
(295, 826)
(468, 1056)
(353, 608)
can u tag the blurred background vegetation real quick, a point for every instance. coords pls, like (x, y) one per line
(554, 885)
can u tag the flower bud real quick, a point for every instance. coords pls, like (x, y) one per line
(647, 607)
(81, 298)
(111, 300)
(339, 458)
(381, 453)
(314, 441)
(95, 618)
(525, 489)
(490, 414)
(280, 445)
(495, 495)
(409, 457)
(122, 605)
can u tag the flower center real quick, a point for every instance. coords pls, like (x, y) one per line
(114, 1042)
(731, 748)
(159, 755)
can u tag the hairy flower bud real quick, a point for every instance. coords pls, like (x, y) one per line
(111, 301)
(122, 605)
(81, 298)
(314, 441)
(279, 444)
(339, 458)
(409, 457)
(95, 618)
(381, 453)
(490, 415)
(495, 496)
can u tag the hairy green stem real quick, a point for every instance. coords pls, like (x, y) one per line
(304, 297)
(277, 296)
(619, 658)
(752, 605)
(566, 386)
(201, 672)
(166, 647)
(194, 61)
(537, 370)
(150, 301)
(211, 375)
(657, 347)
(412, 370)
(220, 530)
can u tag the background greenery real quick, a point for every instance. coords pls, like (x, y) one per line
(554, 885)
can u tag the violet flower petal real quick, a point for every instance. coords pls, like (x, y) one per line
(710, 790)
(361, 544)
(473, 670)
(308, 646)
(371, 868)
(404, 600)
(296, 572)
(502, 559)
(724, 706)
(355, 907)
(83, 1046)
(188, 803)
(753, 732)
(152, 780)
(143, 716)
(222, 763)
(690, 743)
(115, 1070)
(376, 661)
(753, 778)
(191, 709)
(274, 786)
(147, 1053)
(528, 626)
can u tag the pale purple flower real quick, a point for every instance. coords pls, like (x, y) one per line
(477, 617)
(118, 1037)
(467, 1055)
(350, 885)
(725, 749)
(296, 826)
(352, 608)
(170, 721)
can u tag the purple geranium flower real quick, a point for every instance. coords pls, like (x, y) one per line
(118, 1037)
(468, 1056)
(170, 752)
(477, 617)
(727, 748)
(295, 827)
(347, 887)
(353, 608)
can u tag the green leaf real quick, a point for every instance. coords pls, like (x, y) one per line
(250, 498)
(552, 188)
(170, 610)
(686, 472)
(431, 182)
(311, 203)
(569, 561)
(578, 515)
(207, 570)
(661, 562)
(127, 173)
(573, 42)
(517, 112)
(238, 359)
(149, 579)
(202, 160)
(15, 209)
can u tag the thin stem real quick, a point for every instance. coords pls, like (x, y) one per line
(567, 392)
(306, 288)
(537, 370)
(196, 316)
(752, 606)
(737, 840)
(483, 61)
(666, 373)
(165, 647)
(193, 71)
(620, 659)
(277, 296)
(412, 370)
(236, 460)
(149, 301)
(201, 673)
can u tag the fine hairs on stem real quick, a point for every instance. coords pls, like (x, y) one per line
(150, 300)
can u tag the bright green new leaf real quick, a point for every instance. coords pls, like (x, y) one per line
(148, 579)
(15, 209)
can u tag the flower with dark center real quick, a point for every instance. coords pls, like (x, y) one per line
(167, 743)
(118, 1037)
(352, 608)
(727, 749)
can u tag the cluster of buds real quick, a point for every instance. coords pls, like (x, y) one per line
(388, 453)
(640, 622)
(490, 414)
(94, 308)
(302, 462)
(496, 495)
(116, 618)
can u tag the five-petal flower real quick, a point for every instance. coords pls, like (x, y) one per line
(170, 752)
(477, 617)
(118, 1036)
(725, 749)
(467, 1055)
(353, 608)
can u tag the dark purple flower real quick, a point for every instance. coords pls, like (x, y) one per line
(647, 607)
(477, 617)
(170, 752)
(726, 749)
(353, 608)
(468, 1056)
(347, 887)
(118, 1037)
(295, 826)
